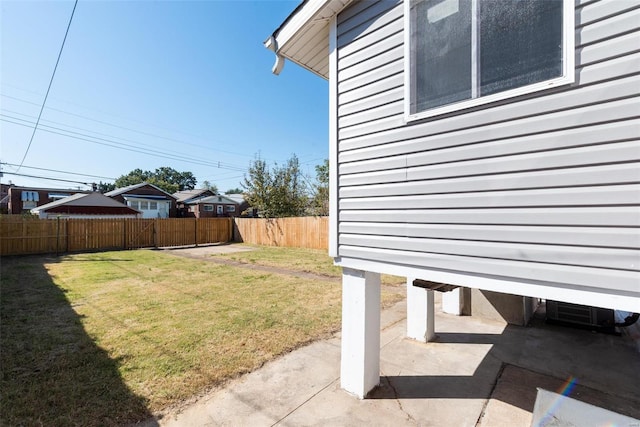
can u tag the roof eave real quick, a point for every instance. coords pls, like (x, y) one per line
(301, 21)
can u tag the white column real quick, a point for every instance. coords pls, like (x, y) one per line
(420, 313)
(452, 302)
(360, 358)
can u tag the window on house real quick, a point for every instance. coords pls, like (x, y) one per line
(153, 206)
(207, 208)
(231, 208)
(144, 205)
(468, 52)
(30, 196)
(134, 204)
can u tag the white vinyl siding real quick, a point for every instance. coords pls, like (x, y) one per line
(542, 187)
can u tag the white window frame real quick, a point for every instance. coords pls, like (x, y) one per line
(568, 70)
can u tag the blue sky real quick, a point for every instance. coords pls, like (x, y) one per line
(187, 80)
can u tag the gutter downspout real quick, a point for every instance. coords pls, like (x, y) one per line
(272, 45)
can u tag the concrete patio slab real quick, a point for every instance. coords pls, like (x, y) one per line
(476, 373)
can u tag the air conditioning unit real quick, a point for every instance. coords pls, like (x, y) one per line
(595, 318)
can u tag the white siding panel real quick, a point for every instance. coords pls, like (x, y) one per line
(374, 62)
(608, 28)
(365, 104)
(592, 155)
(583, 176)
(381, 111)
(526, 156)
(392, 23)
(621, 259)
(602, 10)
(374, 51)
(626, 281)
(612, 48)
(372, 76)
(569, 236)
(581, 196)
(375, 88)
(447, 150)
(624, 217)
(575, 117)
(370, 16)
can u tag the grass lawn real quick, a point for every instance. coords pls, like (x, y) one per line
(110, 338)
(306, 260)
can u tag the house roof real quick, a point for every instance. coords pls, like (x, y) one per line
(303, 37)
(211, 199)
(238, 198)
(87, 200)
(181, 196)
(128, 188)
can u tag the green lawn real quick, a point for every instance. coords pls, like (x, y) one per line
(305, 260)
(109, 338)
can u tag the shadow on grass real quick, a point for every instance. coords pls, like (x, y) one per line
(52, 372)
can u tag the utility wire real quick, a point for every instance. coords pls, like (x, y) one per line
(136, 144)
(126, 147)
(132, 130)
(50, 83)
(47, 178)
(59, 171)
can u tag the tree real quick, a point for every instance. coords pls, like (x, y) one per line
(166, 178)
(279, 192)
(234, 191)
(320, 199)
(105, 187)
(208, 186)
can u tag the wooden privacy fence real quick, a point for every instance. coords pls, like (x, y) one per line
(20, 236)
(300, 232)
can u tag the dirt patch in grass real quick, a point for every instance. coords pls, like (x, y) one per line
(314, 261)
(110, 338)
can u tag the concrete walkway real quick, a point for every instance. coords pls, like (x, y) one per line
(477, 373)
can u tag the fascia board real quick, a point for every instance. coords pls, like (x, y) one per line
(297, 21)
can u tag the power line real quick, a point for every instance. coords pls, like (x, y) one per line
(47, 178)
(132, 130)
(50, 83)
(59, 171)
(178, 154)
(123, 146)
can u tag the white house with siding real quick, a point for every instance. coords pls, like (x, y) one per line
(489, 145)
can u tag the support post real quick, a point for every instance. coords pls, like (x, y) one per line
(420, 313)
(453, 302)
(360, 358)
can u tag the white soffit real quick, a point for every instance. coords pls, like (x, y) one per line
(303, 38)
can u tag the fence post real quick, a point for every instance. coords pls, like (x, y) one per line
(195, 230)
(124, 234)
(58, 235)
(155, 235)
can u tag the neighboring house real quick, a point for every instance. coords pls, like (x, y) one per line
(493, 148)
(83, 205)
(243, 205)
(152, 201)
(182, 196)
(4, 198)
(211, 207)
(23, 199)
